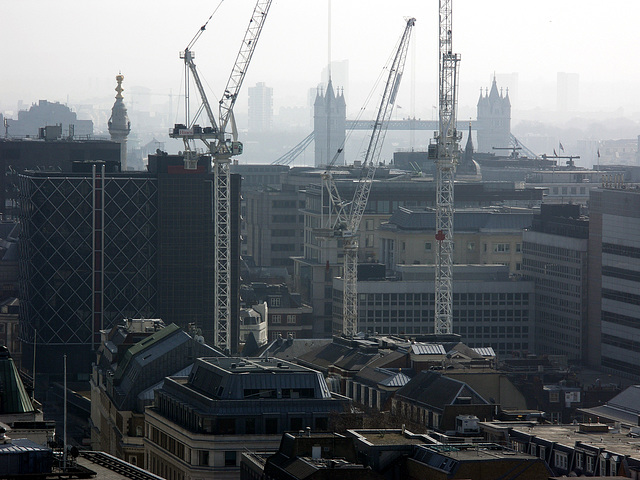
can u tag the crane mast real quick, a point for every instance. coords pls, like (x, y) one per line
(445, 156)
(221, 147)
(361, 194)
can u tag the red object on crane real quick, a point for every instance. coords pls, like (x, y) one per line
(440, 236)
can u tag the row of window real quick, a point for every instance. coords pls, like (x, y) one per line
(621, 250)
(471, 246)
(584, 461)
(620, 319)
(278, 318)
(553, 253)
(623, 297)
(421, 299)
(621, 273)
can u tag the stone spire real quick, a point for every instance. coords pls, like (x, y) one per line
(119, 124)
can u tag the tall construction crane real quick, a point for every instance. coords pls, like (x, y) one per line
(221, 146)
(348, 216)
(445, 151)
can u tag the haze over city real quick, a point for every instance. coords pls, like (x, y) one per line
(70, 52)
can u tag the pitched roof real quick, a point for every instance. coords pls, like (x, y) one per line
(437, 391)
(13, 395)
(428, 349)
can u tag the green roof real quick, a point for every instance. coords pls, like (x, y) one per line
(141, 346)
(13, 395)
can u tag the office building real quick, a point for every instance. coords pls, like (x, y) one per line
(554, 257)
(99, 245)
(482, 236)
(18, 155)
(132, 361)
(613, 327)
(200, 424)
(489, 307)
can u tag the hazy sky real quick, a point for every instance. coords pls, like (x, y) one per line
(74, 48)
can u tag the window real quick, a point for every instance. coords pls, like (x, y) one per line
(271, 426)
(501, 248)
(427, 246)
(276, 318)
(296, 424)
(590, 463)
(230, 458)
(133, 460)
(542, 452)
(560, 460)
(227, 426)
(554, 397)
(203, 458)
(518, 247)
(250, 426)
(579, 461)
(471, 246)
(322, 423)
(368, 224)
(274, 301)
(291, 319)
(369, 241)
(603, 466)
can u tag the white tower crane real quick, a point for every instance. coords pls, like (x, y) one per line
(445, 152)
(349, 215)
(221, 146)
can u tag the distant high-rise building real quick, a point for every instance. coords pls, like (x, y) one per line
(329, 119)
(613, 340)
(338, 72)
(119, 124)
(494, 119)
(568, 92)
(260, 108)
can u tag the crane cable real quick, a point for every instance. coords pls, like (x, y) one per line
(203, 28)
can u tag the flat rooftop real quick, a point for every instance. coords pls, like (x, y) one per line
(254, 365)
(391, 437)
(617, 441)
(477, 452)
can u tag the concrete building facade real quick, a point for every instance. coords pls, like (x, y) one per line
(555, 259)
(489, 308)
(613, 339)
(201, 424)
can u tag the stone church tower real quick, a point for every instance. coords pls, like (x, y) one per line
(329, 119)
(119, 124)
(494, 120)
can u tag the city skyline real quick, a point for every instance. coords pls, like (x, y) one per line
(72, 54)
